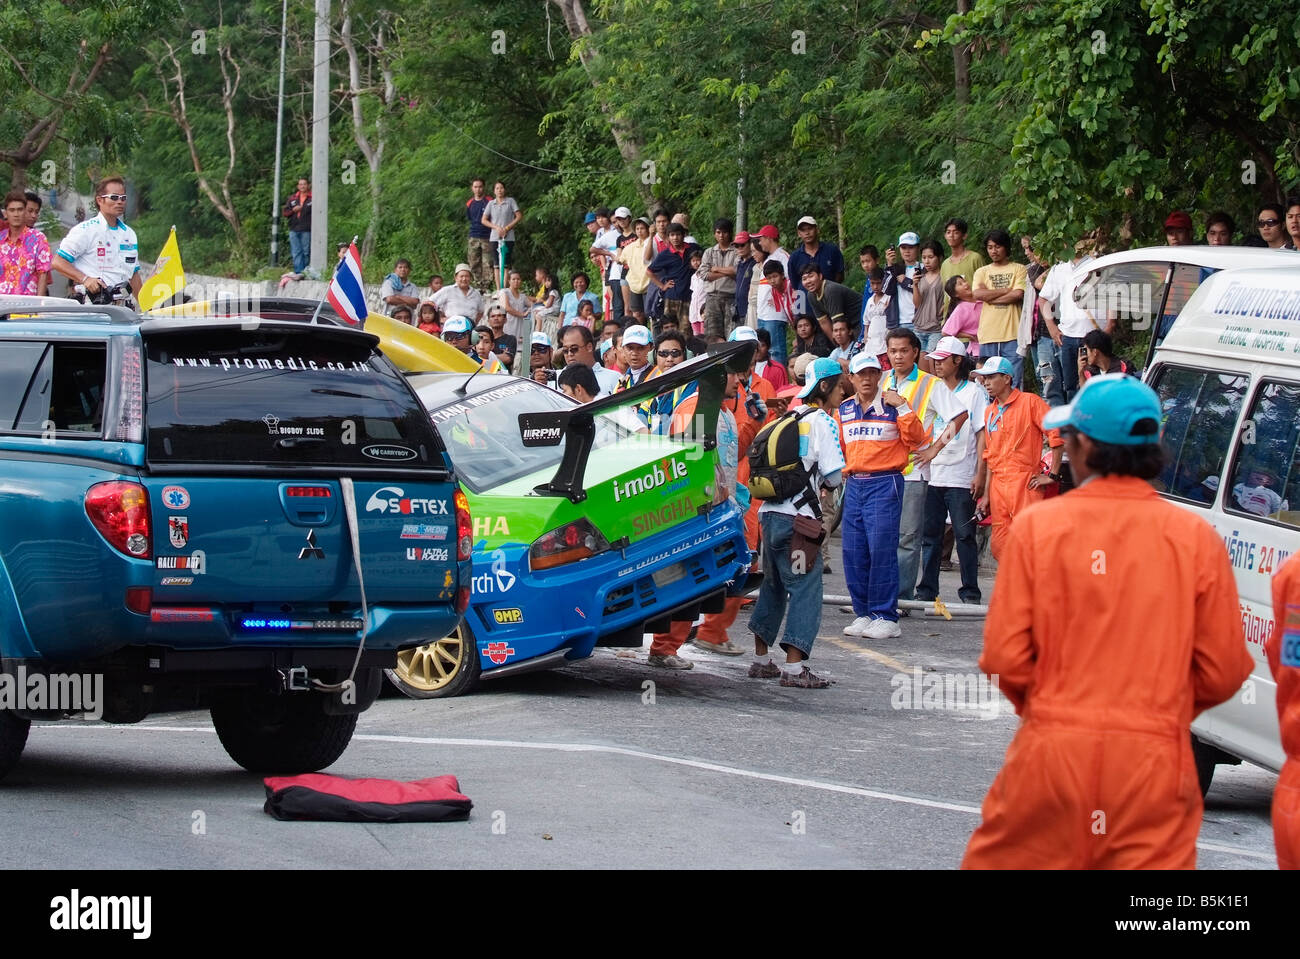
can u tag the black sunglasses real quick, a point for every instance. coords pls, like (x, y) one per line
(671, 354)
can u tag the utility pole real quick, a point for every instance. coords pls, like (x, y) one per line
(279, 141)
(741, 209)
(320, 143)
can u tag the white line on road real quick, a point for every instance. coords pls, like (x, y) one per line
(657, 757)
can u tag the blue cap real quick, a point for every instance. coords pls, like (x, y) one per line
(822, 368)
(742, 334)
(996, 364)
(589, 218)
(456, 325)
(1114, 408)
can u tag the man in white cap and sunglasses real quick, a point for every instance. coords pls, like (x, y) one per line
(1114, 622)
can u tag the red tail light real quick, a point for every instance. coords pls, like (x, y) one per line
(120, 511)
(568, 544)
(139, 599)
(464, 528)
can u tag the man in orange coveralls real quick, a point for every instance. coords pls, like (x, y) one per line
(1014, 431)
(1114, 622)
(1283, 651)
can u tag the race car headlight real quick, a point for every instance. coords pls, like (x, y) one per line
(568, 544)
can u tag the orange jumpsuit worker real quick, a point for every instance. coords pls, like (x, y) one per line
(1283, 651)
(1014, 431)
(1114, 622)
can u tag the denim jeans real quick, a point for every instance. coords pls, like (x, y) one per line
(1049, 371)
(1007, 349)
(872, 505)
(1070, 347)
(909, 537)
(940, 503)
(783, 587)
(930, 341)
(777, 329)
(300, 249)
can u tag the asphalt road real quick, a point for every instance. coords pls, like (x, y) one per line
(590, 767)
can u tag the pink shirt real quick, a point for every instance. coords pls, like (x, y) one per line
(965, 323)
(22, 262)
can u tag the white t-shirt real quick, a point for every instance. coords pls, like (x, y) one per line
(607, 239)
(1059, 288)
(607, 379)
(819, 448)
(1259, 500)
(877, 324)
(956, 463)
(942, 405)
(772, 305)
(906, 308)
(450, 301)
(96, 249)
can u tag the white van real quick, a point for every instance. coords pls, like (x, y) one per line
(1147, 288)
(1228, 377)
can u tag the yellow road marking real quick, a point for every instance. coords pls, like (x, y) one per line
(881, 658)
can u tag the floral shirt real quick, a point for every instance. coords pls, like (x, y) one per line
(21, 263)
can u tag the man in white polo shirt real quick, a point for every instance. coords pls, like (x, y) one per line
(102, 252)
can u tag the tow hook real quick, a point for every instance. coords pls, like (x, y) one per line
(294, 679)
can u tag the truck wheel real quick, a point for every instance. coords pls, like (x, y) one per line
(13, 737)
(448, 667)
(285, 734)
(1207, 757)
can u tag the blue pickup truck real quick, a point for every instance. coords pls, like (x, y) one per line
(246, 515)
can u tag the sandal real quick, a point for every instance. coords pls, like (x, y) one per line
(805, 680)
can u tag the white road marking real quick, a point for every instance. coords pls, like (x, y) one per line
(641, 754)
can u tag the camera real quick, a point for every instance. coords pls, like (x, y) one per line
(920, 270)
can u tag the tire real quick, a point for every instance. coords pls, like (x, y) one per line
(285, 734)
(13, 737)
(1207, 757)
(447, 667)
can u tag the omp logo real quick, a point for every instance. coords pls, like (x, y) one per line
(392, 499)
(665, 471)
(507, 616)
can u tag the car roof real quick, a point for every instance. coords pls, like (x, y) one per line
(1241, 314)
(1217, 257)
(436, 390)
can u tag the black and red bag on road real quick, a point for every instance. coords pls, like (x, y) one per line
(316, 796)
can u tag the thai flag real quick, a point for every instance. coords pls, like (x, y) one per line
(345, 293)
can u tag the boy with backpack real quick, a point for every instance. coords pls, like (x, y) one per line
(789, 460)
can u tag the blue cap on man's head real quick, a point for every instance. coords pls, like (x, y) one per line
(1113, 408)
(742, 334)
(589, 218)
(822, 368)
(996, 364)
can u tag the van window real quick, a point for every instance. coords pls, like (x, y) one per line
(1266, 474)
(18, 361)
(1186, 279)
(67, 390)
(1199, 413)
(1128, 294)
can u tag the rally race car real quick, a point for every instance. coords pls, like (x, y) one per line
(585, 532)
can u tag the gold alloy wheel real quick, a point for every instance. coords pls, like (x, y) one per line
(431, 667)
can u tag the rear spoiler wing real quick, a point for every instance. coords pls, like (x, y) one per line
(576, 427)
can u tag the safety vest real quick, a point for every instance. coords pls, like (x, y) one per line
(923, 384)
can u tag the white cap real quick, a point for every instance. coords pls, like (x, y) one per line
(636, 335)
(622, 213)
(948, 346)
(806, 219)
(540, 339)
(864, 361)
(742, 334)
(909, 239)
(462, 268)
(457, 324)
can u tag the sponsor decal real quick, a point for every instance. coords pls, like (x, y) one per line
(423, 531)
(295, 363)
(1289, 654)
(679, 548)
(274, 428)
(392, 499)
(507, 616)
(579, 612)
(178, 530)
(542, 436)
(176, 581)
(448, 581)
(311, 550)
(499, 580)
(660, 474)
(671, 512)
(176, 497)
(491, 526)
(498, 652)
(180, 614)
(390, 454)
(482, 399)
(426, 555)
(196, 562)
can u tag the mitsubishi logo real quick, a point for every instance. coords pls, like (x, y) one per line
(311, 550)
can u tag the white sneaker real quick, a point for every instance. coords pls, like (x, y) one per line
(858, 627)
(882, 629)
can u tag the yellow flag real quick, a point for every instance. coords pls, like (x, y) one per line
(167, 278)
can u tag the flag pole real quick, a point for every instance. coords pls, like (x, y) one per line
(326, 294)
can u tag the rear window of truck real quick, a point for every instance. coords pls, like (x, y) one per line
(280, 398)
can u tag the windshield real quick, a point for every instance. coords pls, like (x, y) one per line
(482, 433)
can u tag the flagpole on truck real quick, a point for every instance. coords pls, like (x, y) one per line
(325, 296)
